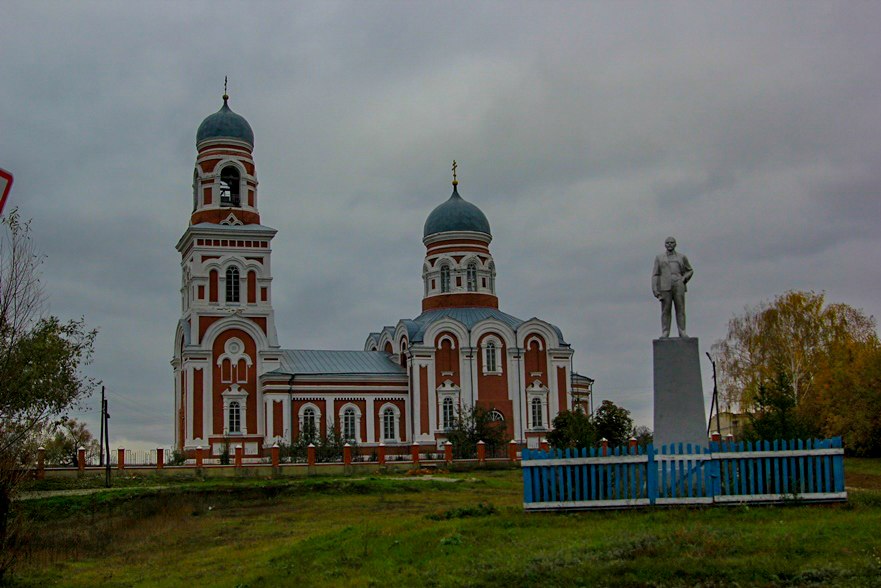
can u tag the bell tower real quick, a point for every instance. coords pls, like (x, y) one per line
(226, 336)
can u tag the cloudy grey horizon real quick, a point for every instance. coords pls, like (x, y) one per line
(587, 132)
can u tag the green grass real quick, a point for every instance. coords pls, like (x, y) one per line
(403, 532)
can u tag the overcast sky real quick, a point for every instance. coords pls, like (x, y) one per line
(586, 132)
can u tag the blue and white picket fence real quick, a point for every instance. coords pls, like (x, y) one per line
(723, 472)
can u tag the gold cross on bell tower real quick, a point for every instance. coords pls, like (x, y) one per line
(455, 181)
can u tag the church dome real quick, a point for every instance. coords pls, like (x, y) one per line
(456, 215)
(225, 124)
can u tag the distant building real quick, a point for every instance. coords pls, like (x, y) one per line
(233, 381)
(730, 423)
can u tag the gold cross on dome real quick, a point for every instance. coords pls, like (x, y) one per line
(455, 165)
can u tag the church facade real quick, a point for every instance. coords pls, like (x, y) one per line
(233, 382)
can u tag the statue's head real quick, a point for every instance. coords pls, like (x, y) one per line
(670, 244)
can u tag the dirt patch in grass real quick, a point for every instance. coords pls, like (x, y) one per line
(863, 481)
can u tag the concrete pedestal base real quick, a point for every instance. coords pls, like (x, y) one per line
(679, 396)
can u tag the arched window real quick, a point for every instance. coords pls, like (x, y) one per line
(445, 278)
(349, 424)
(448, 413)
(229, 186)
(471, 277)
(389, 427)
(235, 417)
(232, 284)
(308, 427)
(496, 416)
(537, 419)
(491, 357)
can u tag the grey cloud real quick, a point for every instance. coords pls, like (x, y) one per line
(587, 132)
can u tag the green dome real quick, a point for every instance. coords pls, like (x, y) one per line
(225, 124)
(456, 215)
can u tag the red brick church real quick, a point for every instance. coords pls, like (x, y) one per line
(234, 381)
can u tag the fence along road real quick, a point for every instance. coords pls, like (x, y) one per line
(725, 472)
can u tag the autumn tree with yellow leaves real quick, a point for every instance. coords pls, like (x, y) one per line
(828, 354)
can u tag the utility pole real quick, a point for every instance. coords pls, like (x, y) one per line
(105, 425)
(101, 435)
(715, 401)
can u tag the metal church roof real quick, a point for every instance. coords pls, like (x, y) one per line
(225, 124)
(456, 214)
(332, 362)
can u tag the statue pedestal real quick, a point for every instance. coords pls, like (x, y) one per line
(679, 395)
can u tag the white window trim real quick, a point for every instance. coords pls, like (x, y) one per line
(233, 356)
(450, 276)
(397, 424)
(235, 393)
(498, 356)
(468, 284)
(226, 286)
(539, 391)
(343, 409)
(317, 417)
(447, 390)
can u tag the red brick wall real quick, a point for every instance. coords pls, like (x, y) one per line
(491, 388)
(217, 215)
(460, 300)
(204, 323)
(277, 418)
(252, 287)
(562, 384)
(535, 360)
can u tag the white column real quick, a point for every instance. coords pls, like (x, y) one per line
(371, 420)
(517, 385)
(329, 416)
(407, 428)
(270, 417)
(287, 428)
(432, 402)
(417, 395)
(554, 396)
(468, 375)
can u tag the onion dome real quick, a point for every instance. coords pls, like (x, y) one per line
(456, 214)
(225, 124)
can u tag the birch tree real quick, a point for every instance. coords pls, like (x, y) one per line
(797, 335)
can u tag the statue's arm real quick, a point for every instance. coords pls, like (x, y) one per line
(687, 272)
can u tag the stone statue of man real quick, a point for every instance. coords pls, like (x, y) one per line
(669, 276)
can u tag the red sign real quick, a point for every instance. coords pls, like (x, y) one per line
(5, 186)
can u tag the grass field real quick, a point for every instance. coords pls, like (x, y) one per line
(451, 530)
